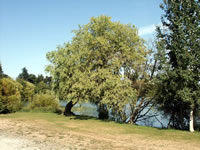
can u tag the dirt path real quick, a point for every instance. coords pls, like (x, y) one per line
(8, 142)
(17, 135)
(38, 135)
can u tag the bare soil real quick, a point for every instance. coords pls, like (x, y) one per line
(39, 135)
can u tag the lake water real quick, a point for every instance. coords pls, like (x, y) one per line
(89, 109)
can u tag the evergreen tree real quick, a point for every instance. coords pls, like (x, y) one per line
(24, 75)
(1, 71)
(32, 78)
(179, 47)
(2, 75)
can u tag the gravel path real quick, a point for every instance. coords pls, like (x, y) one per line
(16, 143)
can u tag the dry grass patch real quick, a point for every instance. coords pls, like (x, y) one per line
(82, 132)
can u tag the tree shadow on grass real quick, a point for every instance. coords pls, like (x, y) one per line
(82, 117)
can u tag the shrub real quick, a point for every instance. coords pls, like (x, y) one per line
(42, 87)
(44, 102)
(28, 90)
(10, 98)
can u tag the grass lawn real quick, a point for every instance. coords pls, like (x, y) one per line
(91, 128)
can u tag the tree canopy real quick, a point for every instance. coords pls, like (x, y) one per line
(27, 91)
(24, 75)
(1, 71)
(97, 64)
(2, 75)
(10, 98)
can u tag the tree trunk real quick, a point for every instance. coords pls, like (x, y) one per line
(191, 121)
(168, 125)
(103, 112)
(68, 109)
(132, 118)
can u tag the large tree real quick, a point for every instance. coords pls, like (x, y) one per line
(1, 71)
(144, 83)
(97, 64)
(179, 52)
(2, 75)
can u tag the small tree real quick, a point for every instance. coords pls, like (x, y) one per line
(42, 87)
(27, 91)
(10, 98)
(44, 102)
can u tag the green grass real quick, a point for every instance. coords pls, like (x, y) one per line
(86, 124)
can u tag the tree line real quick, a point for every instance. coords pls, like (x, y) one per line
(107, 63)
(28, 92)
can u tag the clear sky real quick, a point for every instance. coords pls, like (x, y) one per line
(31, 28)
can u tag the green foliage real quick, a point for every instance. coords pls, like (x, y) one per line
(32, 78)
(36, 92)
(43, 84)
(39, 80)
(27, 77)
(44, 102)
(179, 54)
(95, 65)
(27, 91)
(143, 82)
(2, 75)
(42, 87)
(10, 98)
(1, 71)
(24, 75)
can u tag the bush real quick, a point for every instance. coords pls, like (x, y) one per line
(44, 102)
(10, 98)
(28, 90)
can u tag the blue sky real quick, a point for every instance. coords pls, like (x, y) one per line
(31, 28)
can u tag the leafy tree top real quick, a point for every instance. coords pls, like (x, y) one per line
(179, 54)
(2, 75)
(24, 75)
(100, 53)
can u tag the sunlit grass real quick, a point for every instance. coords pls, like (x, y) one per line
(86, 124)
